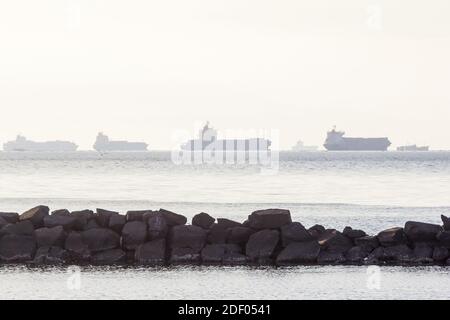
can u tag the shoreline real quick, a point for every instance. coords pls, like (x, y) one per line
(163, 238)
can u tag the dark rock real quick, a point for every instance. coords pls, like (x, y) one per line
(375, 257)
(192, 237)
(17, 248)
(218, 253)
(48, 237)
(61, 212)
(357, 254)
(421, 232)
(100, 239)
(235, 259)
(36, 215)
(218, 233)
(157, 226)
(108, 257)
(75, 246)
(334, 242)
(316, 230)
(50, 255)
(10, 217)
(134, 233)
(269, 219)
(102, 216)
(116, 222)
(92, 224)
(227, 223)
(172, 218)
(392, 237)
(445, 222)
(3, 223)
(326, 257)
(353, 233)
(66, 221)
(367, 242)
(423, 252)
(261, 245)
(299, 252)
(151, 253)
(203, 220)
(82, 219)
(23, 228)
(136, 215)
(444, 238)
(447, 262)
(294, 232)
(184, 255)
(398, 253)
(440, 254)
(239, 235)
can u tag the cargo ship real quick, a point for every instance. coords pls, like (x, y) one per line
(103, 144)
(300, 146)
(337, 142)
(207, 140)
(23, 144)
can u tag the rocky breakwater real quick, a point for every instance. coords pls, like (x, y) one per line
(162, 237)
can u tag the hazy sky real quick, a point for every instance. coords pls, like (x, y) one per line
(139, 70)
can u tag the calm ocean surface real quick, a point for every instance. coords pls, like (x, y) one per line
(372, 191)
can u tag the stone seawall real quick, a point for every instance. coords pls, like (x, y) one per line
(267, 237)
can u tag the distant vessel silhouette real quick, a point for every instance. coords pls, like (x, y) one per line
(337, 142)
(207, 140)
(103, 143)
(413, 148)
(300, 146)
(22, 144)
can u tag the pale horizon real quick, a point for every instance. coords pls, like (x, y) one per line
(140, 72)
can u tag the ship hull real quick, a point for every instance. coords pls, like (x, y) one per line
(40, 147)
(359, 144)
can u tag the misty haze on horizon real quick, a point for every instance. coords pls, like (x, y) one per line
(142, 70)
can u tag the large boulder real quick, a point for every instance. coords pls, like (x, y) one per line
(392, 237)
(82, 219)
(3, 222)
(116, 222)
(36, 215)
(17, 248)
(22, 228)
(334, 241)
(368, 242)
(157, 226)
(172, 218)
(192, 237)
(327, 257)
(423, 252)
(444, 238)
(353, 233)
(357, 254)
(100, 239)
(239, 235)
(269, 219)
(445, 222)
(203, 220)
(108, 257)
(316, 230)
(135, 215)
(49, 237)
(228, 223)
(261, 245)
(91, 224)
(50, 255)
(399, 253)
(102, 216)
(134, 233)
(421, 232)
(151, 253)
(219, 253)
(299, 252)
(66, 221)
(440, 254)
(10, 217)
(294, 232)
(76, 247)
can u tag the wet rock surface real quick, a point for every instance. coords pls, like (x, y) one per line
(161, 237)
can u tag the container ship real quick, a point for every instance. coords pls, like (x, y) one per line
(23, 144)
(337, 142)
(104, 144)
